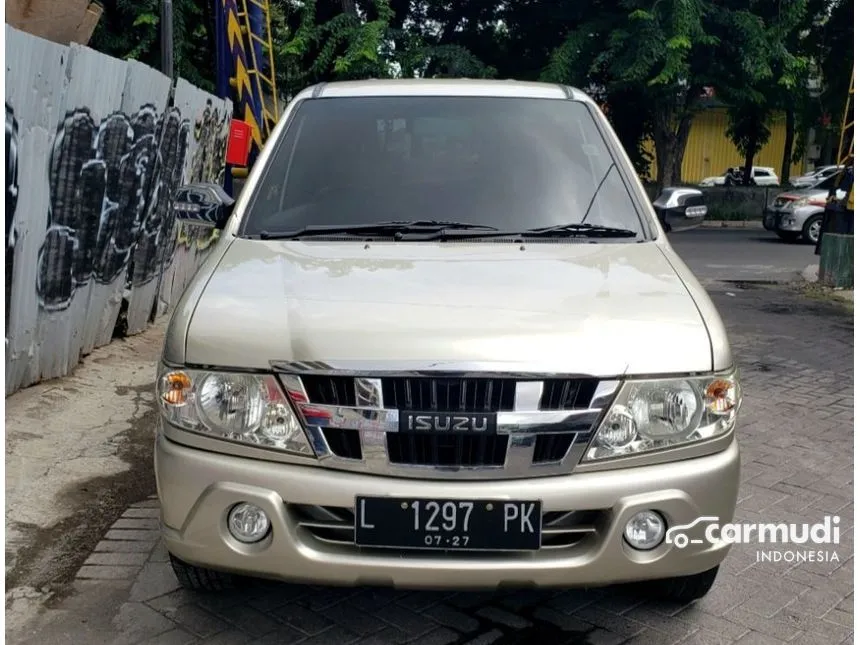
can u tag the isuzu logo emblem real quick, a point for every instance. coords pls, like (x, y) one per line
(446, 422)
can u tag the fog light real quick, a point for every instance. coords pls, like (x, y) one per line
(645, 530)
(248, 523)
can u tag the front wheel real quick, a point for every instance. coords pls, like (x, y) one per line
(199, 579)
(684, 589)
(812, 229)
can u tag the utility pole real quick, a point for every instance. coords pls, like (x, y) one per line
(167, 37)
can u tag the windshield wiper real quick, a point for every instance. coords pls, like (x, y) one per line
(578, 228)
(377, 228)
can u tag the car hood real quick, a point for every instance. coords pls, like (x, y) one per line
(600, 309)
(803, 193)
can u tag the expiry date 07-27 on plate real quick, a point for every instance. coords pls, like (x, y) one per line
(448, 524)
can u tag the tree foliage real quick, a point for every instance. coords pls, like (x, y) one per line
(646, 63)
(131, 29)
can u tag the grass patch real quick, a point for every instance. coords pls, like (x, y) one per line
(821, 293)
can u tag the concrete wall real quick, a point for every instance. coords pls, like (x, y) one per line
(738, 202)
(95, 147)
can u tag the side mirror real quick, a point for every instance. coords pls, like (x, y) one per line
(203, 204)
(680, 209)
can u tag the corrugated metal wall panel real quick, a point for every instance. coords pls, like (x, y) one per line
(710, 152)
(93, 156)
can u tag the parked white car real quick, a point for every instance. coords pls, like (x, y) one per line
(761, 176)
(815, 176)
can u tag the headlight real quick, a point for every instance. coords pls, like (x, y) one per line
(797, 203)
(656, 414)
(248, 408)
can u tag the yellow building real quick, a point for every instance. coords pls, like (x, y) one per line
(710, 152)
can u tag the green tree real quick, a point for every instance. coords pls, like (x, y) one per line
(748, 129)
(660, 49)
(758, 69)
(330, 40)
(130, 29)
(831, 46)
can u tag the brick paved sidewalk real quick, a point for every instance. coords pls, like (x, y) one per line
(797, 441)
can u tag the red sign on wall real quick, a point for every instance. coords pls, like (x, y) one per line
(238, 144)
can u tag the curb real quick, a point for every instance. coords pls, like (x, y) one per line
(715, 223)
(810, 276)
(810, 273)
(126, 547)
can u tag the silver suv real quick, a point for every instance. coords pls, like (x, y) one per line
(443, 341)
(799, 213)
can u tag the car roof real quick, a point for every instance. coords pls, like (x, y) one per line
(443, 87)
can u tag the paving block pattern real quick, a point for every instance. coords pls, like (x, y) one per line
(795, 357)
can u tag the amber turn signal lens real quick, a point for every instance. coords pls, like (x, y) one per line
(175, 387)
(720, 396)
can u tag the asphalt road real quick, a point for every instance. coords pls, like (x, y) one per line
(715, 254)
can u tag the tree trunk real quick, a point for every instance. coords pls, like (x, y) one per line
(671, 132)
(669, 147)
(349, 6)
(788, 148)
(749, 160)
(682, 135)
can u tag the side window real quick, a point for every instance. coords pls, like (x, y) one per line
(762, 173)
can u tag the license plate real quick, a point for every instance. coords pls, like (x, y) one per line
(448, 524)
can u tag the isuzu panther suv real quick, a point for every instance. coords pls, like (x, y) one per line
(443, 342)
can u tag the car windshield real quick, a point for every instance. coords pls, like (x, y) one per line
(508, 163)
(828, 183)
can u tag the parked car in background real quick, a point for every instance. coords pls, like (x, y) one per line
(818, 174)
(799, 213)
(760, 176)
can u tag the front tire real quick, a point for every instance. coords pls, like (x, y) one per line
(199, 579)
(684, 589)
(812, 229)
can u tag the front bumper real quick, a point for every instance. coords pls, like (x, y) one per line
(772, 218)
(197, 488)
(789, 220)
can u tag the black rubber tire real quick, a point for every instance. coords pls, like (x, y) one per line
(685, 589)
(808, 225)
(200, 579)
(787, 236)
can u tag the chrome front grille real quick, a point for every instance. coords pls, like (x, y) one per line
(447, 450)
(449, 394)
(567, 394)
(335, 525)
(552, 447)
(452, 394)
(353, 418)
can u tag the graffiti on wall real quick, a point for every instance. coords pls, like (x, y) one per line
(108, 184)
(211, 130)
(95, 150)
(11, 199)
(111, 189)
